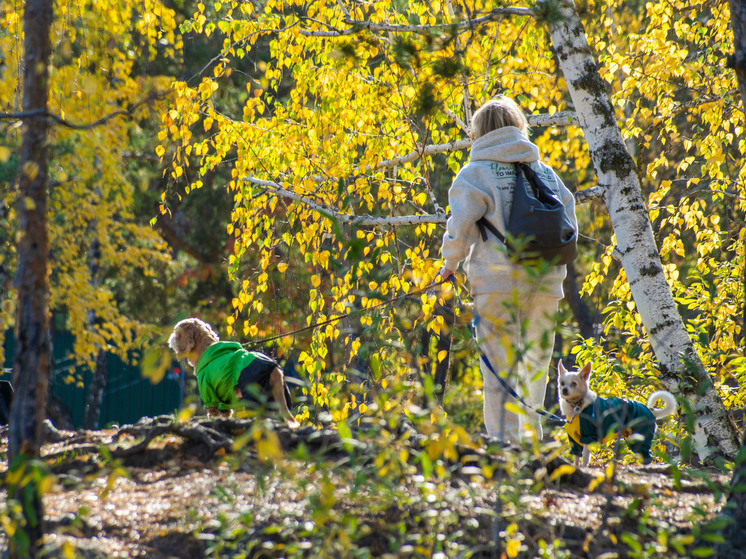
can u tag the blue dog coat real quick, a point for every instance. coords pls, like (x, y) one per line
(606, 418)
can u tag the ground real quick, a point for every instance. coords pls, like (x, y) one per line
(164, 490)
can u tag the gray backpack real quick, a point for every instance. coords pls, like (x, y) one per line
(538, 227)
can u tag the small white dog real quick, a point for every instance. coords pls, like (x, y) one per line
(592, 419)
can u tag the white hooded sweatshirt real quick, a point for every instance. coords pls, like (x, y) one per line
(484, 188)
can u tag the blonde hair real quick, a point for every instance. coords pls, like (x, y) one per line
(496, 113)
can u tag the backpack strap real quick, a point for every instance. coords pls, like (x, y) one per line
(485, 226)
(533, 180)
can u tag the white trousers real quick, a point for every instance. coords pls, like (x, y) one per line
(516, 333)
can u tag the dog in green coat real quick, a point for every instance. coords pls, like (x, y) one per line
(591, 419)
(225, 370)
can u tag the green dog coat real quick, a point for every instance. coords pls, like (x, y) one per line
(225, 365)
(608, 417)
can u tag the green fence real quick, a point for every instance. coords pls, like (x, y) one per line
(128, 395)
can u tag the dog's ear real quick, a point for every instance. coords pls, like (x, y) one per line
(585, 373)
(182, 340)
(561, 368)
(187, 337)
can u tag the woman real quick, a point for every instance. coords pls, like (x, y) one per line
(515, 309)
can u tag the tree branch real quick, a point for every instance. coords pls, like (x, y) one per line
(557, 119)
(561, 118)
(367, 221)
(358, 25)
(43, 113)
(433, 149)
(592, 193)
(170, 235)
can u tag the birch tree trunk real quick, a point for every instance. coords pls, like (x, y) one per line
(32, 358)
(681, 370)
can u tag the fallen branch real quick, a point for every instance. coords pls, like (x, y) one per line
(212, 438)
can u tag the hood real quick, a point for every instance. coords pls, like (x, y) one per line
(507, 144)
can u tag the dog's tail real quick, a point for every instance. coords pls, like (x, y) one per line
(669, 403)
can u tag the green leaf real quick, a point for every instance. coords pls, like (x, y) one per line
(345, 435)
(375, 366)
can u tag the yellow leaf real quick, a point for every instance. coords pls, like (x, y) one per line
(442, 355)
(281, 267)
(31, 170)
(4, 154)
(564, 470)
(208, 123)
(160, 150)
(185, 415)
(512, 548)
(514, 408)
(268, 447)
(598, 480)
(154, 364)
(14, 476)
(610, 470)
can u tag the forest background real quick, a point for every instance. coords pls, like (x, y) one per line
(272, 165)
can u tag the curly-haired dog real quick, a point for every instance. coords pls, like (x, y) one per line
(592, 419)
(225, 369)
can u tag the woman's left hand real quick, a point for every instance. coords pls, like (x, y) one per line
(446, 274)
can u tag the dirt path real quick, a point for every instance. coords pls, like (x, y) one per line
(179, 498)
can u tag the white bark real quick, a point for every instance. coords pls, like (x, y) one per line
(714, 435)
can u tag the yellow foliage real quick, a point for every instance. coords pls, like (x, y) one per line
(357, 104)
(93, 198)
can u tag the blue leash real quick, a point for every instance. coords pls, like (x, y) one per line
(509, 389)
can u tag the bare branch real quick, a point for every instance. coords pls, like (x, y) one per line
(464, 127)
(358, 25)
(495, 14)
(562, 118)
(433, 149)
(42, 113)
(587, 194)
(557, 119)
(367, 221)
